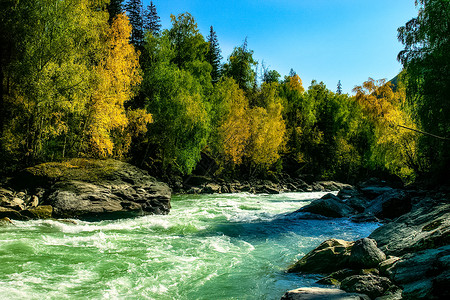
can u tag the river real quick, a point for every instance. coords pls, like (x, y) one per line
(229, 246)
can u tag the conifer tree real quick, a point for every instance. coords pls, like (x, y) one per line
(214, 57)
(114, 8)
(152, 21)
(135, 14)
(339, 88)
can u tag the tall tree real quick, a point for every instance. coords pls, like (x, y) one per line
(152, 21)
(339, 88)
(240, 67)
(114, 8)
(135, 12)
(426, 58)
(214, 57)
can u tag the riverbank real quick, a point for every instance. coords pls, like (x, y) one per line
(406, 258)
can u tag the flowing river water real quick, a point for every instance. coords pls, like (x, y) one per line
(229, 246)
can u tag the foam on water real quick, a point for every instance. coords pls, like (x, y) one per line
(231, 246)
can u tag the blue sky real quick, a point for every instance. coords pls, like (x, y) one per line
(326, 40)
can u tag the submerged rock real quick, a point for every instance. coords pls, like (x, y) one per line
(322, 294)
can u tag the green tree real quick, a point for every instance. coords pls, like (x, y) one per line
(176, 84)
(240, 67)
(134, 9)
(426, 58)
(214, 57)
(152, 21)
(114, 8)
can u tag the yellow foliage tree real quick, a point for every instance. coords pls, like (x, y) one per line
(267, 128)
(394, 147)
(231, 124)
(116, 76)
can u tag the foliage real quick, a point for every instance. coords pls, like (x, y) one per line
(240, 67)
(152, 21)
(230, 122)
(213, 56)
(426, 58)
(135, 13)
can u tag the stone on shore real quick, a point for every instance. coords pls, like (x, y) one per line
(330, 256)
(365, 254)
(370, 285)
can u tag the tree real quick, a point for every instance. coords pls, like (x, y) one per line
(152, 21)
(135, 14)
(214, 57)
(426, 58)
(50, 75)
(230, 122)
(240, 67)
(114, 9)
(339, 88)
(117, 74)
(188, 43)
(176, 84)
(393, 148)
(267, 129)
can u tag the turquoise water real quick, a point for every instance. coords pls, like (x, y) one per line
(230, 246)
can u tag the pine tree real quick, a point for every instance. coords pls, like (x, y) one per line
(135, 14)
(214, 57)
(114, 8)
(339, 88)
(152, 21)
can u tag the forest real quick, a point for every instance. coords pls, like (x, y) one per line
(103, 79)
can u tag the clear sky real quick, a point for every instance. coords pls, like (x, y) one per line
(326, 40)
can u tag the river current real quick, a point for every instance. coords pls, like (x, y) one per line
(228, 246)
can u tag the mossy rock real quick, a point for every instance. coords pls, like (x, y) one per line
(80, 169)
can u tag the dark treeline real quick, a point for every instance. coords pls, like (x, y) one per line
(99, 78)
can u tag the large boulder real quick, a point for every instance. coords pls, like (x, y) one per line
(315, 293)
(328, 206)
(365, 254)
(89, 188)
(330, 256)
(425, 274)
(427, 226)
(370, 285)
(390, 204)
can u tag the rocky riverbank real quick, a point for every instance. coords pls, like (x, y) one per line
(83, 188)
(406, 258)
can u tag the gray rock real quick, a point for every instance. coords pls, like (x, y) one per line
(390, 204)
(365, 254)
(330, 256)
(427, 226)
(425, 274)
(308, 293)
(330, 186)
(357, 202)
(89, 188)
(328, 206)
(211, 188)
(372, 192)
(370, 285)
(386, 266)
